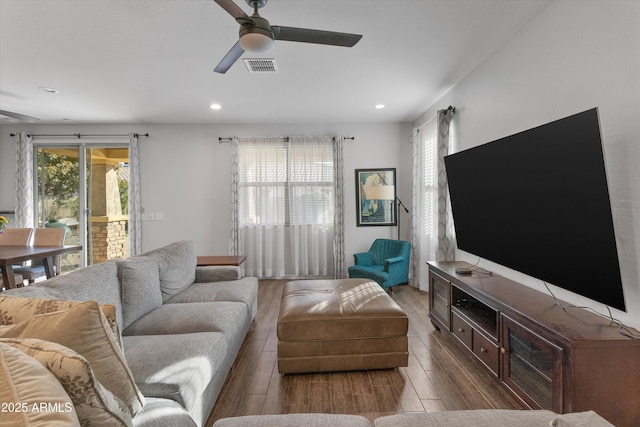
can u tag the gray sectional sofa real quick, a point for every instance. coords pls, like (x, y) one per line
(471, 418)
(182, 325)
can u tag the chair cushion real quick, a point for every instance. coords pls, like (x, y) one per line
(25, 382)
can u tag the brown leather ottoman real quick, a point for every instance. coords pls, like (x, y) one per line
(340, 325)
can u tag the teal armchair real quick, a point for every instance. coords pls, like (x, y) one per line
(386, 262)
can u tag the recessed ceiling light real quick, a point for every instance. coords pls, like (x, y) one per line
(379, 106)
(48, 89)
(215, 106)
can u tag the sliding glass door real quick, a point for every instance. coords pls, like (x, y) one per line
(83, 188)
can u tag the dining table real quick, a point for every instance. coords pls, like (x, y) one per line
(10, 255)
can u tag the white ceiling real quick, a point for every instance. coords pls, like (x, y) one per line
(151, 61)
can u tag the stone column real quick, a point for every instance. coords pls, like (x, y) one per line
(108, 225)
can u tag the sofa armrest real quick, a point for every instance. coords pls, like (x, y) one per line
(217, 273)
(363, 258)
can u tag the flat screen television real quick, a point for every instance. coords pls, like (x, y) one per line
(538, 202)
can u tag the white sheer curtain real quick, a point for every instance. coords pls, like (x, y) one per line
(285, 203)
(24, 181)
(135, 210)
(431, 226)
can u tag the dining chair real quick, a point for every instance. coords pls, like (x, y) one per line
(42, 237)
(15, 237)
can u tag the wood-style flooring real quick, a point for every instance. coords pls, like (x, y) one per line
(440, 376)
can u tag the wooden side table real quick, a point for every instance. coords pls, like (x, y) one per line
(220, 260)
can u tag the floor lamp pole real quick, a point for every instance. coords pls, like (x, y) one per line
(398, 213)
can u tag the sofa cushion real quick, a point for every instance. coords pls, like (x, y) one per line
(159, 412)
(227, 317)
(243, 290)
(177, 267)
(84, 329)
(25, 383)
(140, 287)
(294, 420)
(476, 418)
(177, 367)
(98, 282)
(16, 309)
(580, 419)
(93, 403)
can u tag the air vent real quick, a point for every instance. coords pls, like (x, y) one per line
(261, 65)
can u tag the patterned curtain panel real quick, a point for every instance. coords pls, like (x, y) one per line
(285, 206)
(135, 208)
(432, 236)
(339, 259)
(446, 244)
(24, 181)
(234, 240)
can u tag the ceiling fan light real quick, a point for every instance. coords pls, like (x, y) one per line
(256, 42)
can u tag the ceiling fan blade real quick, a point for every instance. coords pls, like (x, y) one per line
(233, 10)
(306, 35)
(18, 116)
(230, 58)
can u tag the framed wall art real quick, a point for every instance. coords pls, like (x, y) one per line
(375, 197)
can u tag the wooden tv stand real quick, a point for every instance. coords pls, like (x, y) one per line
(567, 360)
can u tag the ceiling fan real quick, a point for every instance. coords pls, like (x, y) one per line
(18, 116)
(257, 35)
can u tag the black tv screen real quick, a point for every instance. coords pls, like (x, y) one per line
(538, 202)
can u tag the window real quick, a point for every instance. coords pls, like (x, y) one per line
(286, 183)
(286, 206)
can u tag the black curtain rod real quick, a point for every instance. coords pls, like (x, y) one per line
(286, 138)
(451, 108)
(78, 135)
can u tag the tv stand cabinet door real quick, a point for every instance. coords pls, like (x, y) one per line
(439, 301)
(531, 366)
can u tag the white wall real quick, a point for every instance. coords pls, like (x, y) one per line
(574, 56)
(186, 174)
